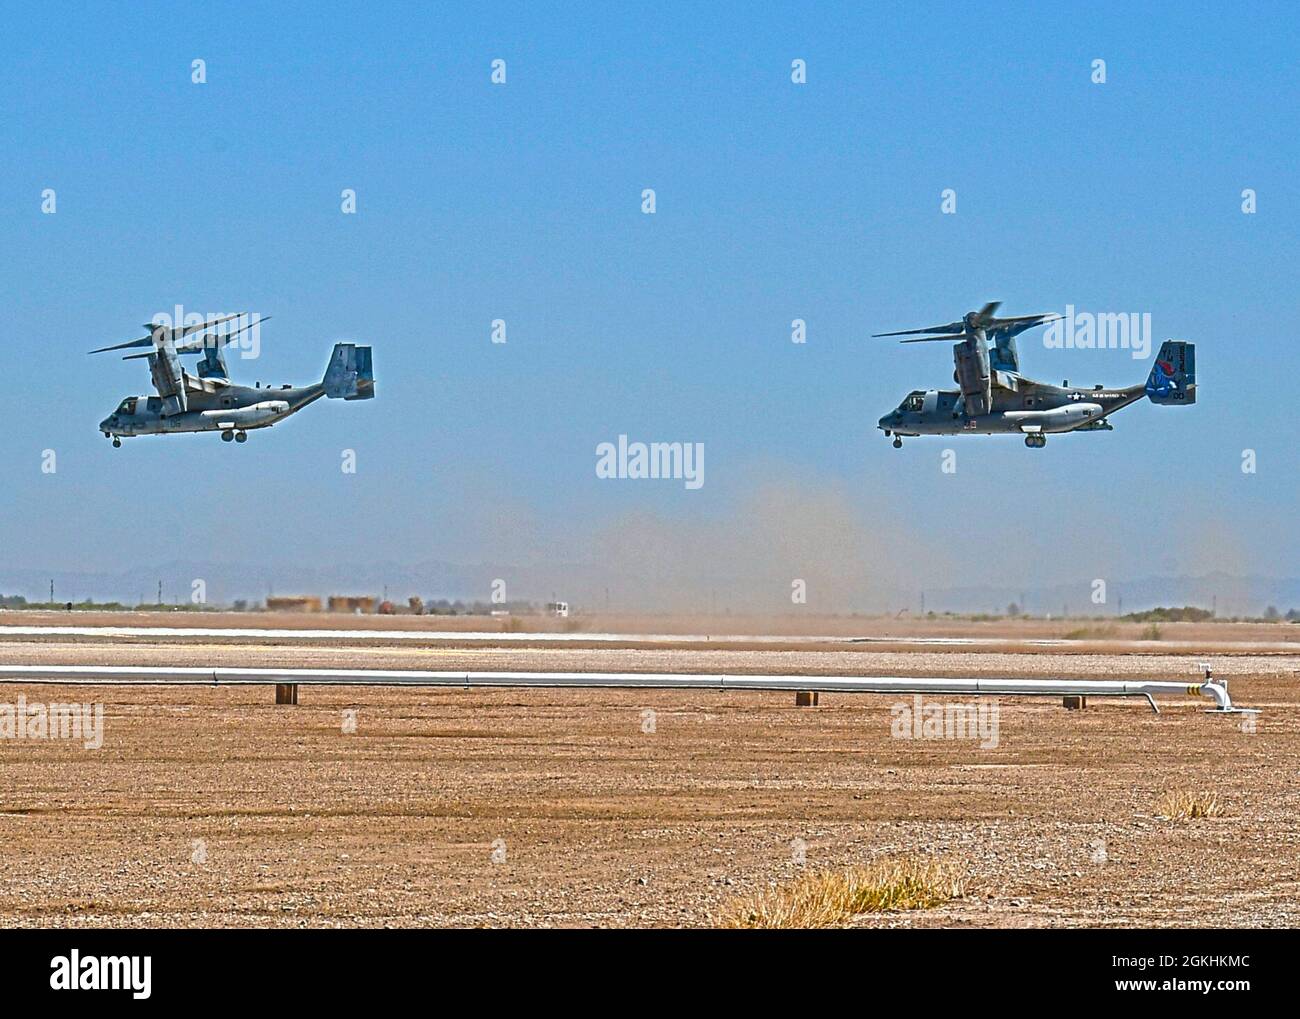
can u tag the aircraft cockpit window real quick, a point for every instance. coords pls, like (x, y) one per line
(127, 406)
(913, 402)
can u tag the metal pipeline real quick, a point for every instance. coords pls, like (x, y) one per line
(131, 675)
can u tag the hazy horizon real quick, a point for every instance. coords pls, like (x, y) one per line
(589, 589)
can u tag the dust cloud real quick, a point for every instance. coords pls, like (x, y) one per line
(781, 542)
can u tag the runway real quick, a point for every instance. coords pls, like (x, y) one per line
(374, 805)
(423, 634)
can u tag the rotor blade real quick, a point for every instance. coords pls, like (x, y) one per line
(144, 341)
(132, 357)
(206, 325)
(998, 323)
(950, 329)
(933, 339)
(216, 339)
(147, 341)
(985, 314)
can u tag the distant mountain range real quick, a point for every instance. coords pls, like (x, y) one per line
(595, 588)
(1227, 595)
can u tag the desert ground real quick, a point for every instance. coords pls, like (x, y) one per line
(216, 807)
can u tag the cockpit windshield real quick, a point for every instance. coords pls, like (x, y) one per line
(127, 406)
(914, 401)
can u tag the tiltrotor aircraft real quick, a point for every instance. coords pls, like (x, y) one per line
(995, 398)
(210, 402)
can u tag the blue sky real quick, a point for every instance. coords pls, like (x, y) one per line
(775, 201)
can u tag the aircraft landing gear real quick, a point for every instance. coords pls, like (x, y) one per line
(241, 436)
(227, 435)
(1035, 441)
(117, 443)
(898, 442)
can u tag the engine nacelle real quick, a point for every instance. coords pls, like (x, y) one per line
(974, 377)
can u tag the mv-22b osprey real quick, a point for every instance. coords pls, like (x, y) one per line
(995, 398)
(210, 402)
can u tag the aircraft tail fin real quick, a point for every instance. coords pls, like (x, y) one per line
(350, 375)
(1173, 376)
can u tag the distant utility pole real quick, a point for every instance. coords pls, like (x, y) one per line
(160, 592)
(51, 590)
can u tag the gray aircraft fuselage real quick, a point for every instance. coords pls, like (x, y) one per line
(215, 408)
(1033, 407)
(993, 398)
(208, 401)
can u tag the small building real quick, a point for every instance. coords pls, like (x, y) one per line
(363, 604)
(293, 603)
(559, 609)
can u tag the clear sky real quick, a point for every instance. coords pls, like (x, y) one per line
(774, 201)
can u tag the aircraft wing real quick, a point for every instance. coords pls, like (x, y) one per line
(1006, 380)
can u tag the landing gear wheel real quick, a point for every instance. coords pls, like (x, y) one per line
(1035, 441)
(241, 436)
(898, 443)
(117, 443)
(227, 435)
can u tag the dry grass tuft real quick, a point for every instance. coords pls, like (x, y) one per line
(1183, 804)
(831, 898)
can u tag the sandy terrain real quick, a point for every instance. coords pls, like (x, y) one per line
(216, 807)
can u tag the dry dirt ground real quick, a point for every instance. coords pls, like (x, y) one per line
(215, 807)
